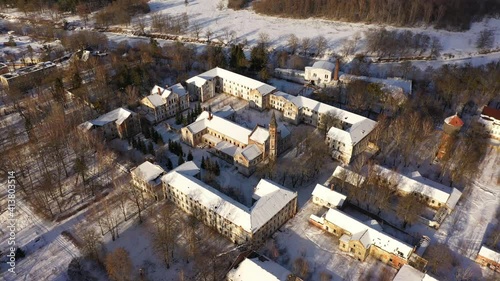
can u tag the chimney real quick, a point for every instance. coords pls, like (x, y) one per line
(159, 91)
(336, 73)
(210, 113)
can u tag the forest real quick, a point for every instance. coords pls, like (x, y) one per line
(453, 15)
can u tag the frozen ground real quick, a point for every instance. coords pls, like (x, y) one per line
(320, 249)
(206, 14)
(47, 252)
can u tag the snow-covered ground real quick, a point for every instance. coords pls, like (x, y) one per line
(47, 252)
(206, 14)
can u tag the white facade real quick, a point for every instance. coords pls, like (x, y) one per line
(324, 196)
(320, 72)
(490, 119)
(165, 103)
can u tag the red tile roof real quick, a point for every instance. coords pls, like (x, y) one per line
(454, 121)
(491, 112)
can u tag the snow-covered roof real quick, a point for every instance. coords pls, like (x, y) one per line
(197, 81)
(271, 198)
(118, 116)
(227, 148)
(348, 176)
(323, 64)
(258, 268)
(283, 94)
(157, 90)
(188, 168)
(147, 171)
(260, 134)
(408, 273)
(328, 195)
(200, 79)
(284, 131)
(265, 89)
(156, 100)
(489, 254)
(416, 183)
(368, 236)
(220, 125)
(178, 89)
(251, 152)
(359, 126)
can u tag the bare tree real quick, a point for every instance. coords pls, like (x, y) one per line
(165, 229)
(306, 44)
(439, 257)
(485, 40)
(293, 43)
(119, 266)
(321, 45)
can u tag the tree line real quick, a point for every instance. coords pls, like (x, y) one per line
(457, 14)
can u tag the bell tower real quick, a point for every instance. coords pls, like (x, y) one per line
(273, 138)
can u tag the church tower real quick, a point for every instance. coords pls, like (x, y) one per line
(273, 138)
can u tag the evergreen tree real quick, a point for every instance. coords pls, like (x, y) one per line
(180, 161)
(216, 168)
(258, 57)
(203, 162)
(237, 58)
(151, 148)
(190, 156)
(170, 146)
(170, 166)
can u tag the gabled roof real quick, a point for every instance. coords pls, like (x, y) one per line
(220, 125)
(258, 269)
(416, 183)
(147, 171)
(200, 79)
(489, 254)
(408, 273)
(156, 100)
(118, 116)
(251, 152)
(368, 236)
(323, 64)
(227, 148)
(328, 195)
(348, 176)
(178, 89)
(491, 112)
(157, 90)
(188, 168)
(259, 134)
(271, 198)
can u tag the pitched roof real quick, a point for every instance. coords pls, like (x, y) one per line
(157, 90)
(408, 273)
(260, 134)
(147, 171)
(178, 89)
(454, 121)
(156, 100)
(416, 183)
(188, 168)
(368, 236)
(328, 195)
(271, 198)
(220, 125)
(359, 127)
(323, 64)
(200, 79)
(258, 268)
(348, 176)
(251, 152)
(491, 112)
(489, 254)
(118, 116)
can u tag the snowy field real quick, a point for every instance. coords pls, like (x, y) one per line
(206, 14)
(47, 252)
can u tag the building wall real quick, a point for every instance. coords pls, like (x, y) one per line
(357, 249)
(318, 75)
(494, 265)
(388, 258)
(225, 227)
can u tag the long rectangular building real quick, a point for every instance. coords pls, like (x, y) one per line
(272, 206)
